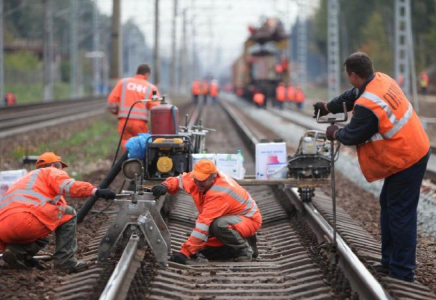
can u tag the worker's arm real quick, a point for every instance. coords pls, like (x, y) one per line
(182, 182)
(113, 101)
(363, 125)
(214, 207)
(349, 97)
(67, 186)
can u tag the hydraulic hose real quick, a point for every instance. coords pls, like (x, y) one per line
(89, 203)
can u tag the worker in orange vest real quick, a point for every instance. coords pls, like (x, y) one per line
(34, 207)
(10, 99)
(299, 97)
(259, 99)
(423, 82)
(391, 145)
(290, 93)
(204, 90)
(228, 216)
(196, 90)
(124, 95)
(280, 95)
(213, 91)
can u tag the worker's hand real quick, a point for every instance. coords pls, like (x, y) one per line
(322, 108)
(179, 258)
(159, 190)
(105, 193)
(330, 132)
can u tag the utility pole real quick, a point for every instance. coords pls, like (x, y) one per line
(194, 52)
(333, 65)
(116, 58)
(2, 63)
(96, 60)
(302, 45)
(48, 51)
(156, 62)
(173, 49)
(74, 43)
(183, 68)
(404, 54)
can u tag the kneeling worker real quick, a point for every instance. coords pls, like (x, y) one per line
(228, 216)
(34, 207)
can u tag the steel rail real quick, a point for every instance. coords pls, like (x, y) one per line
(360, 278)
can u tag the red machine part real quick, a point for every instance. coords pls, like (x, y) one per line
(164, 119)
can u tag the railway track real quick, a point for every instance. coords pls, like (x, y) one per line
(293, 263)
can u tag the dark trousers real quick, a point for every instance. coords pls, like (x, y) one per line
(398, 217)
(195, 98)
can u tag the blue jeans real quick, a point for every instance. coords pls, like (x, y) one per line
(398, 218)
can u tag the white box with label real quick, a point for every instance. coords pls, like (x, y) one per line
(230, 164)
(199, 156)
(12, 175)
(269, 154)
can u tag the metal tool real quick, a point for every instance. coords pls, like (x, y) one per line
(332, 121)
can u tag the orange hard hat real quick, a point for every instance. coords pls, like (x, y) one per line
(48, 158)
(203, 169)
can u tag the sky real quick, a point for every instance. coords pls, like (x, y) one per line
(220, 26)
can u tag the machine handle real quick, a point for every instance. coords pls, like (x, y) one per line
(333, 120)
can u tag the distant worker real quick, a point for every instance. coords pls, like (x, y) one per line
(259, 99)
(290, 93)
(391, 145)
(205, 90)
(126, 92)
(34, 207)
(400, 80)
(213, 91)
(423, 82)
(299, 97)
(239, 92)
(10, 99)
(196, 90)
(280, 95)
(228, 216)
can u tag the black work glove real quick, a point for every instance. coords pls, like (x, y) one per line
(320, 106)
(159, 190)
(105, 194)
(179, 258)
(330, 132)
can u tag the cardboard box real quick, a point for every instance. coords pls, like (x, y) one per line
(12, 175)
(273, 154)
(230, 164)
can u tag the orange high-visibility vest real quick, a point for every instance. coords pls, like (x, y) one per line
(280, 93)
(204, 88)
(299, 96)
(213, 89)
(225, 197)
(401, 140)
(10, 99)
(290, 93)
(259, 98)
(195, 89)
(128, 91)
(41, 192)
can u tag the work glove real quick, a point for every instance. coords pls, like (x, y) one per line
(105, 194)
(179, 258)
(159, 190)
(320, 106)
(330, 132)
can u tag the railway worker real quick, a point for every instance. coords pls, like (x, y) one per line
(280, 95)
(10, 99)
(290, 93)
(126, 92)
(299, 97)
(423, 82)
(213, 91)
(196, 90)
(228, 216)
(34, 206)
(204, 88)
(391, 145)
(259, 99)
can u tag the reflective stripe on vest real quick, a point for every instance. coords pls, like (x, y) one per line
(66, 186)
(199, 235)
(251, 206)
(202, 226)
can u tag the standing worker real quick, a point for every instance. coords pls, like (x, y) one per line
(196, 90)
(228, 216)
(126, 92)
(10, 99)
(423, 82)
(280, 95)
(213, 91)
(34, 206)
(290, 93)
(204, 90)
(391, 145)
(259, 99)
(299, 97)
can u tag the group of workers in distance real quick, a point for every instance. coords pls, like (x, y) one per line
(283, 94)
(204, 89)
(391, 145)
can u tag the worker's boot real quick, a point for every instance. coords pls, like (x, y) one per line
(13, 260)
(252, 241)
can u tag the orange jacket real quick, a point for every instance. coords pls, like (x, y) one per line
(424, 80)
(126, 92)
(213, 89)
(10, 99)
(401, 140)
(290, 93)
(41, 192)
(259, 98)
(204, 88)
(281, 93)
(299, 95)
(195, 88)
(225, 197)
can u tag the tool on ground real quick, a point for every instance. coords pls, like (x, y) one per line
(332, 121)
